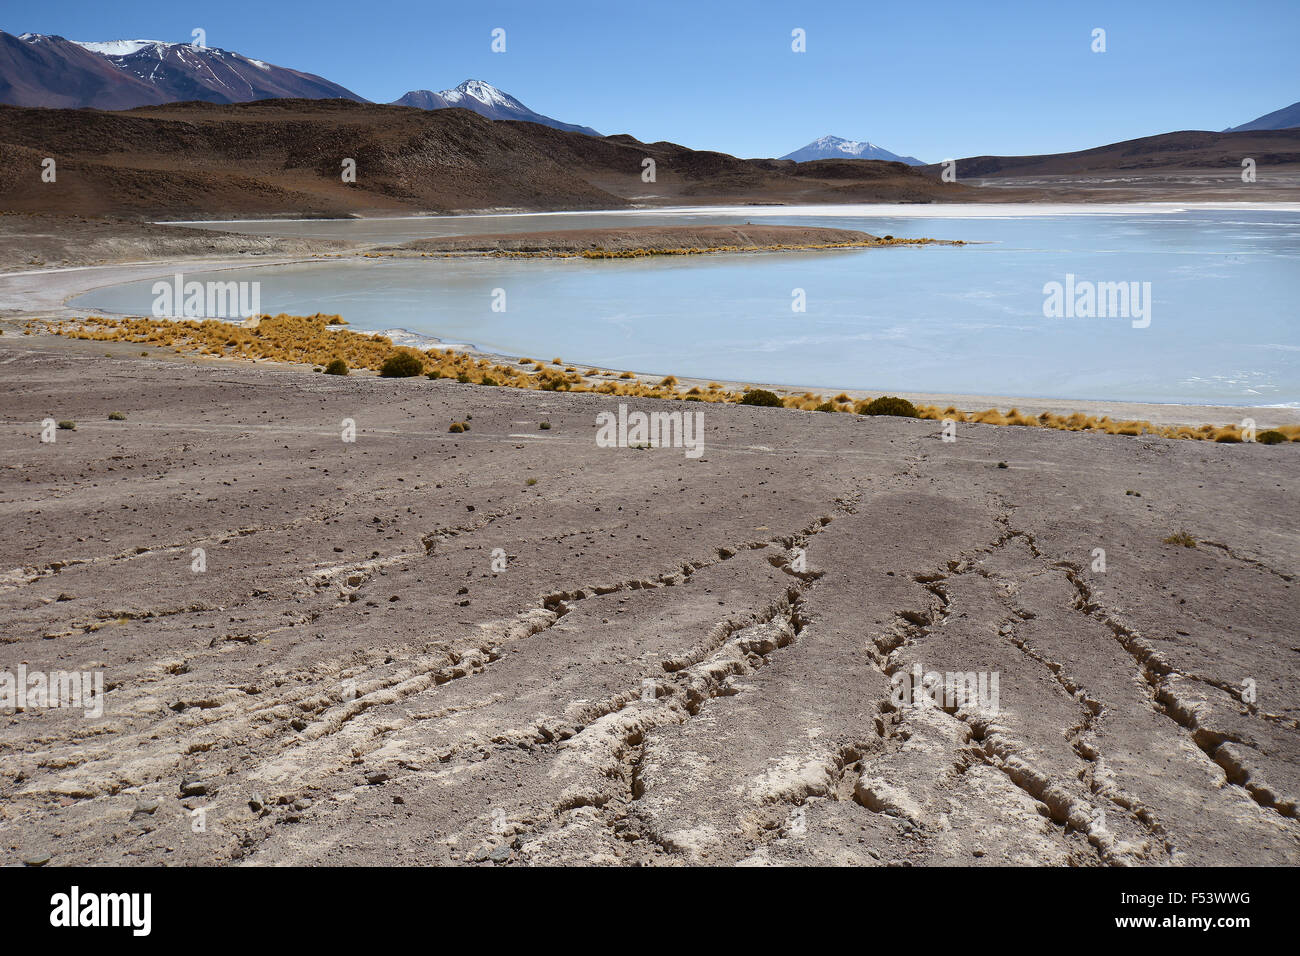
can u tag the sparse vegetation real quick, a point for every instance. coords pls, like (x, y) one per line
(117, 416)
(68, 426)
(458, 427)
(544, 426)
(761, 397)
(336, 367)
(530, 482)
(889, 405)
(1181, 538)
(316, 341)
(1270, 437)
(401, 364)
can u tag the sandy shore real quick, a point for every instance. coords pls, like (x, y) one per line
(513, 645)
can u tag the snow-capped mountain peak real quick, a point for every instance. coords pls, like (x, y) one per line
(119, 74)
(485, 93)
(486, 100)
(119, 47)
(837, 147)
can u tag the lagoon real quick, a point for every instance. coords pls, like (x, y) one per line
(1222, 323)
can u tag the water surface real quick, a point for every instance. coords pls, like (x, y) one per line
(1225, 283)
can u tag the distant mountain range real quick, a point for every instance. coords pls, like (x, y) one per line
(836, 147)
(49, 71)
(1288, 117)
(485, 100)
(41, 70)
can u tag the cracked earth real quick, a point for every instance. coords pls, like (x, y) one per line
(402, 652)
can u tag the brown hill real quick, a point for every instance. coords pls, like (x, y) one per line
(283, 158)
(1186, 150)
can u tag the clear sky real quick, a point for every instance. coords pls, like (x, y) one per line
(932, 78)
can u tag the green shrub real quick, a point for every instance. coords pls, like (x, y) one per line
(1183, 538)
(825, 407)
(401, 365)
(462, 377)
(544, 426)
(68, 426)
(887, 405)
(762, 398)
(337, 367)
(458, 427)
(489, 380)
(435, 374)
(1270, 437)
(116, 416)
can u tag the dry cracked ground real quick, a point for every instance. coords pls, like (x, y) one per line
(683, 661)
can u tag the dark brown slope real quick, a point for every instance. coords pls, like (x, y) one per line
(1187, 150)
(282, 158)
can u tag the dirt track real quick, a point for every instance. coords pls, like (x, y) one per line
(655, 677)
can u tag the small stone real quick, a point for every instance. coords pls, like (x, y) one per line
(302, 803)
(257, 803)
(500, 854)
(64, 597)
(977, 851)
(376, 777)
(399, 801)
(144, 808)
(36, 859)
(193, 787)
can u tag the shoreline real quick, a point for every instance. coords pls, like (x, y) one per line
(53, 289)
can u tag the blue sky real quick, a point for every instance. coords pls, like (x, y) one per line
(936, 79)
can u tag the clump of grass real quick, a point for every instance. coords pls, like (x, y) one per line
(761, 397)
(68, 426)
(1182, 538)
(826, 407)
(401, 364)
(669, 380)
(435, 374)
(530, 482)
(544, 426)
(489, 380)
(458, 427)
(337, 367)
(117, 416)
(1270, 437)
(627, 375)
(888, 405)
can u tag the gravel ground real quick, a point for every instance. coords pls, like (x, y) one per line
(513, 646)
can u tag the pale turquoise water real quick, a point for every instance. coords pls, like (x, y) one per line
(1225, 311)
